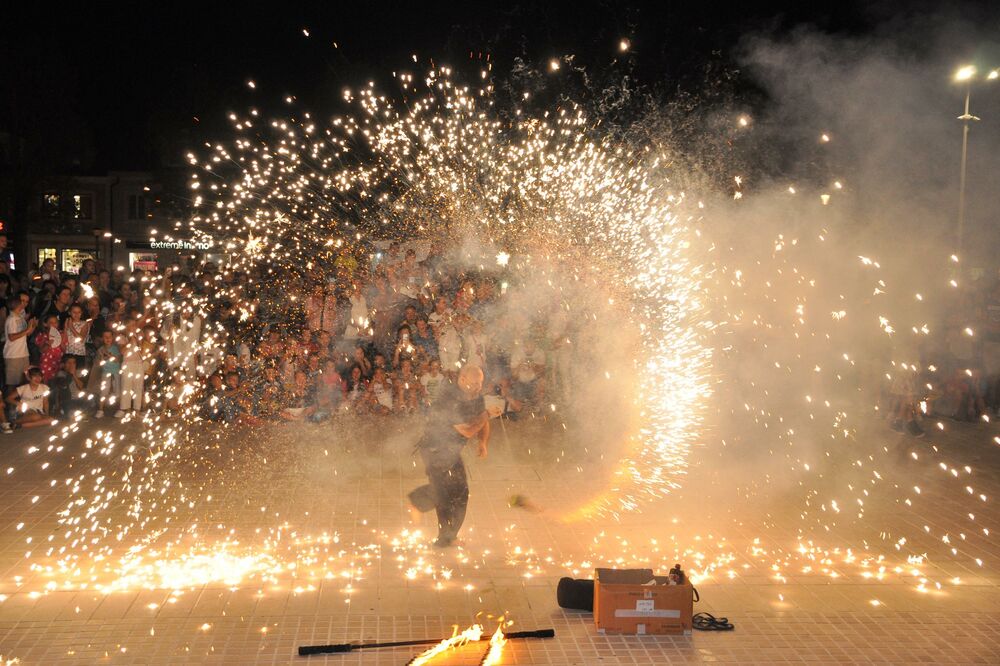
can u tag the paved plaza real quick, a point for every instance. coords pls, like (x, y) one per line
(305, 539)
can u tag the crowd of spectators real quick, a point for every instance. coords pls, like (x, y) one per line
(958, 373)
(373, 335)
(369, 337)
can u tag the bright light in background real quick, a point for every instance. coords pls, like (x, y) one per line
(554, 65)
(993, 75)
(624, 45)
(965, 73)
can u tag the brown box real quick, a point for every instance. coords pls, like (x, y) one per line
(625, 604)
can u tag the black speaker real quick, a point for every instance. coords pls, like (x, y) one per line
(577, 594)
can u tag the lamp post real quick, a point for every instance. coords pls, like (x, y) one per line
(966, 75)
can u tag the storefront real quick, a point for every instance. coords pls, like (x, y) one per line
(68, 252)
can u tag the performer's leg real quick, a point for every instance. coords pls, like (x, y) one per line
(454, 496)
(423, 498)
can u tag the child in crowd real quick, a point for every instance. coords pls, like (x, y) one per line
(378, 399)
(50, 343)
(109, 362)
(69, 389)
(76, 330)
(432, 381)
(31, 401)
(409, 390)
(330, 389)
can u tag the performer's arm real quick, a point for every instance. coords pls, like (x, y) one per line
(484, 438)
(472, 428)
(478, 428)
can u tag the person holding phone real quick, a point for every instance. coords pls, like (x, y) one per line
(404, 348)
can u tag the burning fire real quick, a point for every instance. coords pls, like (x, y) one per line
(473, 633)
(495, 651)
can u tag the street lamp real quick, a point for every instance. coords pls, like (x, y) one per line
(967, 75)
(964, 75)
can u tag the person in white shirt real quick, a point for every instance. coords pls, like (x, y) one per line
(360, 325)
(379, 396)
(183, 342)
(474, 343)
(133, 370)
(15, 349)
(432, 381)
(449, 339)
(440, 317)
(410, 276)
(31, 401)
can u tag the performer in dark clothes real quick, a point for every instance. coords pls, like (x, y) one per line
(457, 415)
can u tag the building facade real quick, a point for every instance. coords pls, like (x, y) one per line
(125, 220)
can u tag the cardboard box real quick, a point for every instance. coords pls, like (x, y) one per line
(625, 604)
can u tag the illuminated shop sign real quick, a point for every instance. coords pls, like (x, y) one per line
(178, 244)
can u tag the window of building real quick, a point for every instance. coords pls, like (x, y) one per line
(83, 206)
(46, 253)
(72, 259)
(50, 205)
(136, 207)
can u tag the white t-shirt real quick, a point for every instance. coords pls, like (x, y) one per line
(383, 394)
(521, 361)
(132, 352)
(449, 346)
(16, 348)
(31, 399)
(474, 347)
(432, 384)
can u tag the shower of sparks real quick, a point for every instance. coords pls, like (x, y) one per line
(287, 195)
(542, 186)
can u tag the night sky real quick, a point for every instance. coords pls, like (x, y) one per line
(132, 86)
